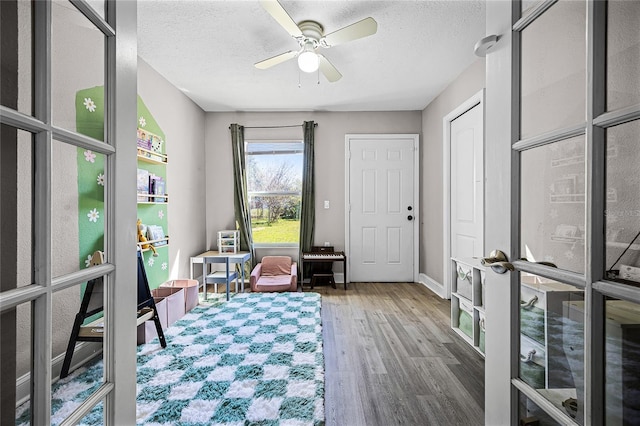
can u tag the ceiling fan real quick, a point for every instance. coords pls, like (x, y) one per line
(310, 36)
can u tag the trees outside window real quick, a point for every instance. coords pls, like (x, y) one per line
(274, 179)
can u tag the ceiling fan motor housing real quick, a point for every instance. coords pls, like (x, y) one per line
(312, 32)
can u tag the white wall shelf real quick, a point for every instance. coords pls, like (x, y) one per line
(165, 197)
(166, 244)
(152, 157)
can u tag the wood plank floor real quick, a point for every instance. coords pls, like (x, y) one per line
(392, 359)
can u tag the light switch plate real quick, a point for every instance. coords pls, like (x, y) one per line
(326, 204)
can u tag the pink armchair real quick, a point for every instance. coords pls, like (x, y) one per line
(274, 273)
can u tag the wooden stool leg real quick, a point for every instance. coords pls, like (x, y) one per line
(66, 364)
(156, 321)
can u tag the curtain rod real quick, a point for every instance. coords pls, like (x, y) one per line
(275, 127)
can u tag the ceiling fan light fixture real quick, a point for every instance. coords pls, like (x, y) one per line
(308, 60)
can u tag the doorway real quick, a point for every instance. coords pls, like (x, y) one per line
(381, 207)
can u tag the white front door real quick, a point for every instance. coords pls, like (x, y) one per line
(382, 207)
(467, 186)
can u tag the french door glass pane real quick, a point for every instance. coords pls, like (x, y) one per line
(77, 64)
(552, 339)
(526, 6)
(622, 214)
(24, 205)
(553, 70)
(86, 374)
(553, 204)
(622, 361)
(623, 54)
(16, 340)
(95, 416)
(78, 209)
(98, 6)
(17, 56)
(530, 414)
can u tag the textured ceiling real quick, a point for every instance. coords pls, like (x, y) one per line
(207, 49)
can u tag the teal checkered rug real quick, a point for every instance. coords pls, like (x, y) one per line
(255, 360)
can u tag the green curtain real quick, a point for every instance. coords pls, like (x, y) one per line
(308, 209)
(240, 193)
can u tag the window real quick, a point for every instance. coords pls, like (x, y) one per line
(274, 180)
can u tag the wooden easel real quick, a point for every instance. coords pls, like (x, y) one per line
(93, 303)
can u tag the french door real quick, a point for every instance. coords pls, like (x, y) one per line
(563, 202)
(65, 191)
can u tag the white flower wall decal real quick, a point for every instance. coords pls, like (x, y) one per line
(142, 121)
(89, 156)
(100, 179)
(93, 215)
(160, 214)
(87, 261)
(164, 266)
(89, 104)
(151, 261)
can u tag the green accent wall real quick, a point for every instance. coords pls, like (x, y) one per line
(91, 181)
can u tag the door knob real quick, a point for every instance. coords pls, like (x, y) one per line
(498, 261)
(409, 217)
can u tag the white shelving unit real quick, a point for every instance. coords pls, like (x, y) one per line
(467, 301)
(541, 306)
(228, 241)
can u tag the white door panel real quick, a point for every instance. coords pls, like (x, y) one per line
(467, 195)
(381, 197)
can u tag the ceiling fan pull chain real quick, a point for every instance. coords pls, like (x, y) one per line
(299, 84)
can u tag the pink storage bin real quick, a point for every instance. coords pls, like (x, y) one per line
(190, 291)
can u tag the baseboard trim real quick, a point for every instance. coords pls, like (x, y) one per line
(433, 285)
(85, 351)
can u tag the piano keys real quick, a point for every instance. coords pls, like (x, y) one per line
(336, 255)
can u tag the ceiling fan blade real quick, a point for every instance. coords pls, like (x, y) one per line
(360, 29)
(276, 10)
(328, 70)
(268, 63)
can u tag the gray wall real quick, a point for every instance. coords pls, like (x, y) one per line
(182, 121)
(462, 88)
(329, 156)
